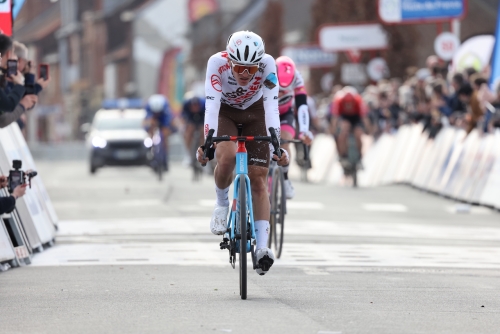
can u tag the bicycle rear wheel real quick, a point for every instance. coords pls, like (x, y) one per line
(278, 210)
(242, 218)
(271, 216)
(159, 166)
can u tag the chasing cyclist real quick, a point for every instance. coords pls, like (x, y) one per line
(242, 88)
(159, 116)
(193, 114)
(292, 85)
(349, 108)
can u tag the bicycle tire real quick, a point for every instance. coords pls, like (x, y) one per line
(278, 203)
(271, 216)
(159, 166)
(306, 165)
(242, 197)
(355, 176)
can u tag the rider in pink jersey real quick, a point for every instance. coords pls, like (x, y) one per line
(292, 86)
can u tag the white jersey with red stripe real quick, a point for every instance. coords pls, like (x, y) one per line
(221, 87)
(286, 94)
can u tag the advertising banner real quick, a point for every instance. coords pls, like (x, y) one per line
(6, 17)
(408, 11)
(310, 56)
(371, 36)
(495, 61)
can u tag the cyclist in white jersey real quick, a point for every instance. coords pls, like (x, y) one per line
(292, 88)
(241, 87)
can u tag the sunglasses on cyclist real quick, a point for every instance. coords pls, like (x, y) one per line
(240, 69)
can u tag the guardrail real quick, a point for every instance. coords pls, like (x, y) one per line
(32, 225)
(454, 165)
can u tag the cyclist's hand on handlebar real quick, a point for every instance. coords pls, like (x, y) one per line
(306, 137)
(284, 160)
(199, 154)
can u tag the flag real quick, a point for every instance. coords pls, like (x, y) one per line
(18, 4)
(495, 59)
(6, 17)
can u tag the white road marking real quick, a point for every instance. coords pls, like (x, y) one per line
(95, 243)
(294, 255)
(468, 209)
(385, 207)
(305, 205)
(141, 202)
(209, 203)
(289, 204)
(200, 225)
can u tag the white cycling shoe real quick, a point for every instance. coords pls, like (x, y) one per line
(289, 191)
(265, 259)
(218, 223)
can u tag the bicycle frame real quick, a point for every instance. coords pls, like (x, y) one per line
(239, 219)
(241, 169)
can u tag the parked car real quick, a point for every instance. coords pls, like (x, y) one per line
(116, 137)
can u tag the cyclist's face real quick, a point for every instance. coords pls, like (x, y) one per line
(242, 79)
(194, 107)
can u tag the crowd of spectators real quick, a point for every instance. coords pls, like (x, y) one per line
(19, 91)
(436, 97)
(433, 96)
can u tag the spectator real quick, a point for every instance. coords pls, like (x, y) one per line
(439, 99)
(455, 103)
(27, 103)
(496, 104)
(9, 100)
(479, 84)
(7, 204)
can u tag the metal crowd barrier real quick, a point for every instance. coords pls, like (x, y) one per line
(32, 225)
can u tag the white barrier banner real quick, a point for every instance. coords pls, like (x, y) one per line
(6, 250)
(29, 206)
(29, 163)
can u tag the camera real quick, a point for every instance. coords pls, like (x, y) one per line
(29, 89)
(18, 177)
(43, 71)
(11, 67)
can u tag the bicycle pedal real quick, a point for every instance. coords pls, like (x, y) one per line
(265, 263)
(224, 245)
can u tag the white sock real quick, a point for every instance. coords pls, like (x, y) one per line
(222, 199)
(285, 168)
(261, 233)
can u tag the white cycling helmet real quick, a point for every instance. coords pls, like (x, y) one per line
(157, 103)
(245, 47)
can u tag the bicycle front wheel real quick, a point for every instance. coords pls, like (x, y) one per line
(242, 198)
(278, 209)
(159, 166)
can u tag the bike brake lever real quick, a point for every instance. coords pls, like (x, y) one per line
(208, 144)
(275, 142)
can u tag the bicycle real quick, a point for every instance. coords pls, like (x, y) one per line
(302, 159)
(278, 200)
(197, 170)
(241, 214)
(352, 163)
(160, 156)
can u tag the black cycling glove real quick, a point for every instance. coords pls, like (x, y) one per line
(210, 152)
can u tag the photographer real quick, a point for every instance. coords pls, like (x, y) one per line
(11, 96)
(25, 67)
(7, 204)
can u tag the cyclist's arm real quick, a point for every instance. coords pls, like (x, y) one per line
(213, 95)
(301, 103)
(166, 116)
(270, 89)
